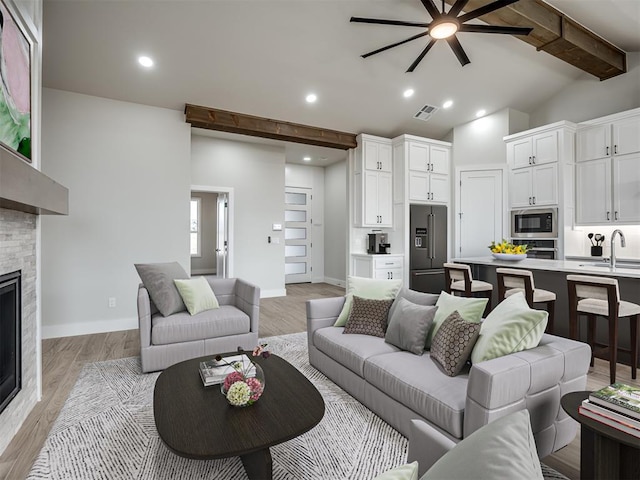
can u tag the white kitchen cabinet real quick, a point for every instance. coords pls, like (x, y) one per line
(534, 186)
(373, 182)
(534, 150)
(608, 170)
(428, 172)
(381, 267)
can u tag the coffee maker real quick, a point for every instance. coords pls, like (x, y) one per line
(378, 243)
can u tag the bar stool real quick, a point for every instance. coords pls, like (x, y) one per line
(457, 277)
(600, 297)
(511, 280)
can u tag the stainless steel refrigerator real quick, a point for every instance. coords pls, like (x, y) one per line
(428, 247)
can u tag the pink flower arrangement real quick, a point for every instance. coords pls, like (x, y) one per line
(241, 375)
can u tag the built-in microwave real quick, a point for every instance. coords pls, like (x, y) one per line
(534, 223)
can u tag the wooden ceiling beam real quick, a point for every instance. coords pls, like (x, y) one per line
(233, 122)
(560, 36)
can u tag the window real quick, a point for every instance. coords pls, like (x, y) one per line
(194, 226)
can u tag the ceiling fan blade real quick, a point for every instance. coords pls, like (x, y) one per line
(478, 12)
(382, 21)
(495, 29)
(394, 44)
(458, 50)
(431, 8)
(421, 56)
(457, 7)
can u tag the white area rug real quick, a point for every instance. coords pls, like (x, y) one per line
(106, 430)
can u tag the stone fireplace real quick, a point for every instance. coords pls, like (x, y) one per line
(18, 254)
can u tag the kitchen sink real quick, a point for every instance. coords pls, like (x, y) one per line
(635, 266)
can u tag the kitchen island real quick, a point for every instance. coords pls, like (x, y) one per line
(552, 275)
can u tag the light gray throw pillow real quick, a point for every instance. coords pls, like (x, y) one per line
(409, 325)
(158, 280)
(419, 298)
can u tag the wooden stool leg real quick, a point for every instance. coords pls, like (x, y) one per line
(613, 347)
(551, 308)
(591, 333)
(487, 309)
(573, 324)
(634, 344)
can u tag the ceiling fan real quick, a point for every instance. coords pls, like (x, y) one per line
(445, 25)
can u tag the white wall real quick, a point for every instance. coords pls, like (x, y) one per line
(303, 176)
(588, 98)
(256, 173)
(127, 170)
(206, 263)
(336, 224)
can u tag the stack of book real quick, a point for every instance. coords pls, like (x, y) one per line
(214, 372)
(617, 405)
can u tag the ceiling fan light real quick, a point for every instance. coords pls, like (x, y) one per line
(444, 29)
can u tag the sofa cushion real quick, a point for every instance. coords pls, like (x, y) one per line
(418, 383)
(197, 294)
(453, 343)
(419, 298)
(409, 325)
(158, 280)
(183, 327)
(350, 351)
(368, 317)
(504, 448)
(510, 327)
(367, 288)
(469, 308)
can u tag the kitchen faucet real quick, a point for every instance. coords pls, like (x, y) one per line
(612, 260)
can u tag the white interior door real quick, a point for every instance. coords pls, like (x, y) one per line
(480, 217)
(222, 241)
(297, 235)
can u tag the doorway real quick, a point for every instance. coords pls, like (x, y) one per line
(297, 235)
(480, 215)
(213, 231)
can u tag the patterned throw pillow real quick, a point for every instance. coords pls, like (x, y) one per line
(453, 343)
(368, 317)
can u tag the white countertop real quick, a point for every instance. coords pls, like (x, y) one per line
(565, 266)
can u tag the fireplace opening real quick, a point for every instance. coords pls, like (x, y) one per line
(10, 340)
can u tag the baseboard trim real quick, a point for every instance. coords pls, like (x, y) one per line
(88, 328)
(335, 281)
(276, 292)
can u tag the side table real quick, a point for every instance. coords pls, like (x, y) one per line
(605, 452)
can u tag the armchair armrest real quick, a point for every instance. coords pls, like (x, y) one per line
(144, 316)
(426, 445)
(248, 300)
(322, 312)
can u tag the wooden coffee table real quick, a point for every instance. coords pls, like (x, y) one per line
(197, 422)
(605, 452)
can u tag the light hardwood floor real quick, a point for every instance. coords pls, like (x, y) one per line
(63, 358)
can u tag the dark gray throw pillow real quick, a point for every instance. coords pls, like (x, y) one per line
(408, 325)
(419, 298)
(453, 342)
(158, 280)
(368, 317)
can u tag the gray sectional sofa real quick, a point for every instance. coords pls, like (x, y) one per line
(165, 341)
(400, 386)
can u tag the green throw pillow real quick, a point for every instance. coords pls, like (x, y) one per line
(469, 308)
(197, 294)
(367, 288)
(504, 448)
(408, 471)
(511, 327)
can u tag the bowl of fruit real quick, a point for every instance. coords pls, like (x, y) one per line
(508, 251)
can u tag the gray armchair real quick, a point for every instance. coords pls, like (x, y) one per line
(165, 341)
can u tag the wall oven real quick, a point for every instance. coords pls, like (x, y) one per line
(534, 223)
(545, 249)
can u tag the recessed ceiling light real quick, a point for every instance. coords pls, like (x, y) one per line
(480, 113)
(408, 93)
(145, 61)
(311, 98)
(307, 159)
(447, 104)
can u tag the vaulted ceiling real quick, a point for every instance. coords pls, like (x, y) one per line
(262, 57)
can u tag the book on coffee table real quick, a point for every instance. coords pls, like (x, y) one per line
(213, 372)
(611, 418)
(619, 397)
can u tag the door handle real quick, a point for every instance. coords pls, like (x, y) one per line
(530, 201)
(615, 215)
(608, 216)
(615, 149)
(607, 150)
(534, 200)
(533, 159)
(432, 241)
(529, 160)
